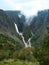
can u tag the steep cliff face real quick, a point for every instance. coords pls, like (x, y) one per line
(4, 25)
(8, 18)
(18, 18)
(7, 26)
(39, 24)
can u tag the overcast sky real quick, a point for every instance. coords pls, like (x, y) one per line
(28, 7)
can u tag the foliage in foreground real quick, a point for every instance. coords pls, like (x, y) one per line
(7, 46)
(42, 54)
(17, 62)
(25, 54)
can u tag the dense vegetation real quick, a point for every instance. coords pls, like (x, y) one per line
(17, 62)
(8, 46)
(42, 54)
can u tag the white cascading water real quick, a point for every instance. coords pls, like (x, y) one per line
(28, 44)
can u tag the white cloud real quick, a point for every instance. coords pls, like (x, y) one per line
(15, 6)
(29, 7)
(33, 6)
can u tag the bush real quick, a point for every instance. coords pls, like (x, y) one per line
(24, 54)
(42, 54)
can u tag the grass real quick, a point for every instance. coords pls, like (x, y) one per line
(17, 62)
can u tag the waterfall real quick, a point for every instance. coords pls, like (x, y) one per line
(29, 41)
(28, 44)
(17, 29)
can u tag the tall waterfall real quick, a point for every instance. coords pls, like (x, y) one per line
(28, 44)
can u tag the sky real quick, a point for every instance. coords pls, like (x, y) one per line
(28, 7)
